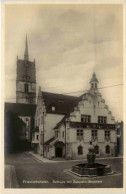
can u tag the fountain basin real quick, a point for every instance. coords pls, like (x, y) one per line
(97, 169)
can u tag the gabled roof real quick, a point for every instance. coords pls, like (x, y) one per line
(71, 110)
(20, 109)
(62, 103)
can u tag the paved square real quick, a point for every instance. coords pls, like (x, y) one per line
(36, 174)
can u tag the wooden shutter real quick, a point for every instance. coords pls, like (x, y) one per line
(87, 135)
(113, 136)
(101, 136)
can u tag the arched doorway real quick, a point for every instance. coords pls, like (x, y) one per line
(59, 149)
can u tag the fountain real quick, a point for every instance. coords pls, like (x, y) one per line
(91, 168)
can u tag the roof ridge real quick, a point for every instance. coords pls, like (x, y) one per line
(59, 94)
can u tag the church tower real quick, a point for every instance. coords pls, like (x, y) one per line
(26, 79)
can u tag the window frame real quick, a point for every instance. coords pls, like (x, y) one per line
(80, 133)
(37, 137)
(53, 108)
(102, 119)
(86, 118)
(94, 134)
(107, 135)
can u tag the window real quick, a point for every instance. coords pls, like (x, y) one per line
(96, 148)
(102, 119)
(95, 85)
(107, 135)
(53, 108)
(37, 137)
(94, 134)
(79, 134)
(85, 118)
(56, 134)
(36, 123)
(63, 134)
(80, 150)
(26, 87)
(107, 150)
(92, 85)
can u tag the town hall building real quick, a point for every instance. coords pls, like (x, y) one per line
(58, 125)
(65, 125)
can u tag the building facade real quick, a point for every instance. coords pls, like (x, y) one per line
(26, 79)
(19, 124)
(67, 133)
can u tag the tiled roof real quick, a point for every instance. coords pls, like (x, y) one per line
(62, 103)
(20, 109)
(71, 110)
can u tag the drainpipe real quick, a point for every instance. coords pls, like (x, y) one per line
(43, 134)
(65, 139)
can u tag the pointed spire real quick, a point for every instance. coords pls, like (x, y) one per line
(26, 57)
(94, 78)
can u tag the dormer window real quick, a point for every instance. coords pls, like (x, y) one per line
(53, 108)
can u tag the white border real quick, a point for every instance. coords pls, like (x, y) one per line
(74, 190)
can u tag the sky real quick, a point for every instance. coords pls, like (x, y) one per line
(68, 43)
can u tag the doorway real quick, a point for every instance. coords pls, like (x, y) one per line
(58, 152)
(59, 149)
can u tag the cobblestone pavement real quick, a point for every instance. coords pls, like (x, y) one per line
(32, 173)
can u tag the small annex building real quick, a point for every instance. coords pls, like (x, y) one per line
(64, 125)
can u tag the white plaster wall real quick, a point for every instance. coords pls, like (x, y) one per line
(51, 121)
